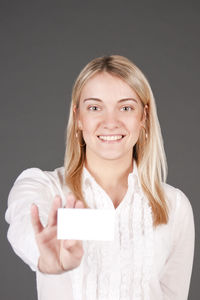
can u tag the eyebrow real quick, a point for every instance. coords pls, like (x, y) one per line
(119, 101)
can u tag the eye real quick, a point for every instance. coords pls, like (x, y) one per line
(93, 107)
(127, 108)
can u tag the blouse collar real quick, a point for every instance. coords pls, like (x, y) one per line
(133, 178)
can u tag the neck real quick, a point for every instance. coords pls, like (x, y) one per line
(109, 173)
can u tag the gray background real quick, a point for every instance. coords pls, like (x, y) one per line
(44, 45)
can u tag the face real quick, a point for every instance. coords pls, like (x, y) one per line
(110, 116)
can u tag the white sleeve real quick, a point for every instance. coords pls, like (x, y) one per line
(31, 186)
(176, 275)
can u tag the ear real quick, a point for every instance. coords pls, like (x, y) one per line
(74, 109)
(79, 123)
(80, 126)
(144, 116)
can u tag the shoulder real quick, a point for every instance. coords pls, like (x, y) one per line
(178, 202)
(36, 180)
(45, 177)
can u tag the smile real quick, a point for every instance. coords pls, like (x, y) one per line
(110, 137)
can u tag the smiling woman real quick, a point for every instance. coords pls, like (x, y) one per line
(105, 84)
(114, 160)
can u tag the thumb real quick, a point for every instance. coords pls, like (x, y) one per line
(35, 219)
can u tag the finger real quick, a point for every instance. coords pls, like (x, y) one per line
(35, 219)
(74, 247)
(70, 203)
(52, 218)
(71, 245)
(79, 204)
(72, 252)
(67, 244)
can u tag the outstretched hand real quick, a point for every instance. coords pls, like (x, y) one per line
(56, 256)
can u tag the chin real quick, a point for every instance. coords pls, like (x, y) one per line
(111, 156)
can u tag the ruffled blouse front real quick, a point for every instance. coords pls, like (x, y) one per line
(118, 269)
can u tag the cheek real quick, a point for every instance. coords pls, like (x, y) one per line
(88, 124)
(134, 125)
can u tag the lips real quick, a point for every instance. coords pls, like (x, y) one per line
(116, 137)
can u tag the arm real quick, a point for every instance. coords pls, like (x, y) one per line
(176, 275)
(33, 236)
(31, 186)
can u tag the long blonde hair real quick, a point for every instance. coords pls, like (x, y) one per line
(148, 153)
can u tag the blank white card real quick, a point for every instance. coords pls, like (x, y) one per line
(85, 224)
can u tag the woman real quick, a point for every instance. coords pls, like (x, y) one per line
(114, 159)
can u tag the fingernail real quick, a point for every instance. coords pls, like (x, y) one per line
(57, 197)
(70, 194)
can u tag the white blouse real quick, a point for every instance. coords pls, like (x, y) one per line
(142, 263)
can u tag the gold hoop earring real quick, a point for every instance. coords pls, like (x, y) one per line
(146, 134)
(77, 136)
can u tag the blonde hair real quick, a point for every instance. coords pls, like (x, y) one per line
(148, 153)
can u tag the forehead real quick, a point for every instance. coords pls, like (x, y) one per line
(104, 85)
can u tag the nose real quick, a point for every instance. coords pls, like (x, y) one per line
(111, 120)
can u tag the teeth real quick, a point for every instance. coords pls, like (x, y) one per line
(110, 137)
